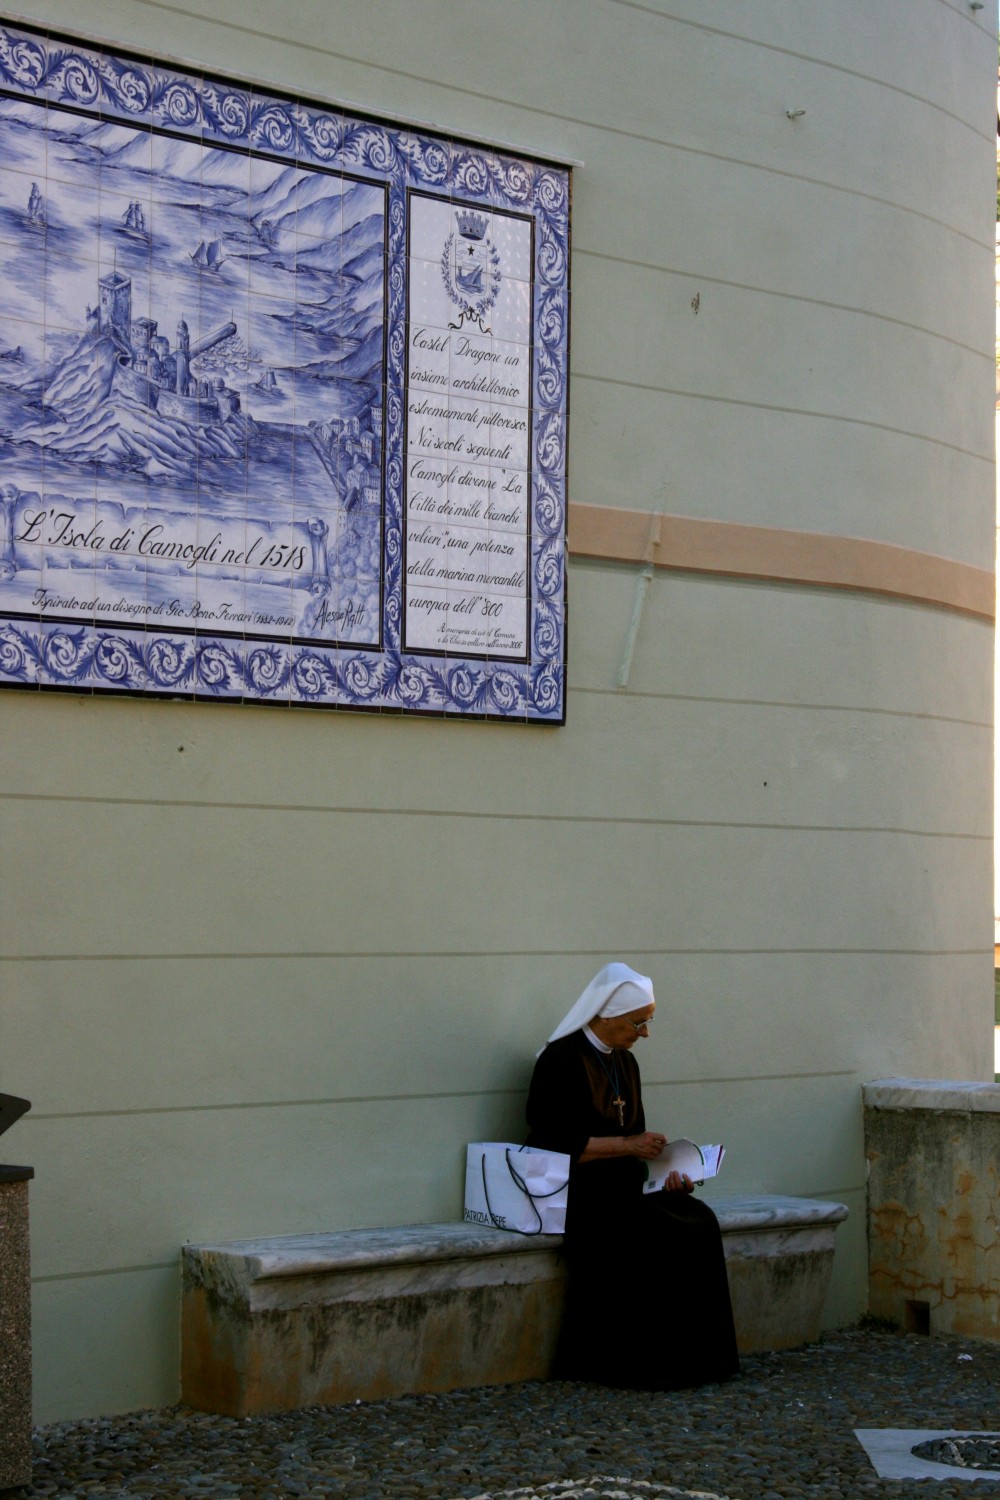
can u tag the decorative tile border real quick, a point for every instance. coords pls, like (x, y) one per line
(233, 512)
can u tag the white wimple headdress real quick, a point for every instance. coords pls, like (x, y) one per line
(615, 991)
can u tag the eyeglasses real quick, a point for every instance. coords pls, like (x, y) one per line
(638, 1026)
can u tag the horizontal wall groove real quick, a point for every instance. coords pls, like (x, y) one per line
(771, 703)
(472, 814)
(715, 1078)
(532, 146)
(322, 1101)
(619, 694)
(302, 955)
(808, 57)
(797, 297)
(155, 1265)
(785, 411)
(345, 1100)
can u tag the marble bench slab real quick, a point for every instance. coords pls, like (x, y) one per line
(286, 1321)
(936, 1095)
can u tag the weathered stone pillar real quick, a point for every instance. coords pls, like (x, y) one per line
(15, 1328)
(933, 1149)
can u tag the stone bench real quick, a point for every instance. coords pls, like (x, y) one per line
(272, 1324)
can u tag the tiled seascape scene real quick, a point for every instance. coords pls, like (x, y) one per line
(282, 398)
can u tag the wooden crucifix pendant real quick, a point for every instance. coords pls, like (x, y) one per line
(619, 1105)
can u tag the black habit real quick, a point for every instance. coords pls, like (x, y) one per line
(647, 1302)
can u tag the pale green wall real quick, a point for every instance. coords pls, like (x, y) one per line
(248, 979)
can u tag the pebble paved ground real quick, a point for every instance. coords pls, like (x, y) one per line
(782, 1431)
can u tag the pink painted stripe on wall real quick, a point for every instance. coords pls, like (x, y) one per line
(766, 552)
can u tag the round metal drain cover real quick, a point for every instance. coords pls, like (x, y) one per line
(974, 1450)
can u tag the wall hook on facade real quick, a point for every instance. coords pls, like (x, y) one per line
(652, 543)
(795, 114)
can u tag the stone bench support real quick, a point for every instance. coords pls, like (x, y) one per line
(272, 1324)
(779, 1256)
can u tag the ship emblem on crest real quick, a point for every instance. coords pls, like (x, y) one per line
(470, 266)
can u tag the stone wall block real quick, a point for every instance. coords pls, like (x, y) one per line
(933, 1151)
(15, 1329)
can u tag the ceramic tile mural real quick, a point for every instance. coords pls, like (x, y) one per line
(282, 398)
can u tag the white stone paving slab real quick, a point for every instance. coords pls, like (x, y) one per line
(889, 1449)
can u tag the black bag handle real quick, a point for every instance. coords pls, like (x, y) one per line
(520, 1183)
(489, 1210)
(524, 1189)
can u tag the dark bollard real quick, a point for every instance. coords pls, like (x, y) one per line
(15, 1313)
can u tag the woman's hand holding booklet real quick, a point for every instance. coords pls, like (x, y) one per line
(683, 1156)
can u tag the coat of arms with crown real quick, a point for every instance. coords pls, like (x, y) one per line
(470, 266)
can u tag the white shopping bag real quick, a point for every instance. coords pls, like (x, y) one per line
(516, 1187)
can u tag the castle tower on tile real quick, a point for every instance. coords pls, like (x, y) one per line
(116, 305)
(183, 358)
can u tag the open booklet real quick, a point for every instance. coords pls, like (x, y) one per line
(682, 1155)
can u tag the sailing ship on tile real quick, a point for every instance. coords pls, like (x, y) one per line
(134, 221)
(209, 257)
(36, 206)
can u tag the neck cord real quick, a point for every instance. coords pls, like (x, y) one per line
(617, 1099)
